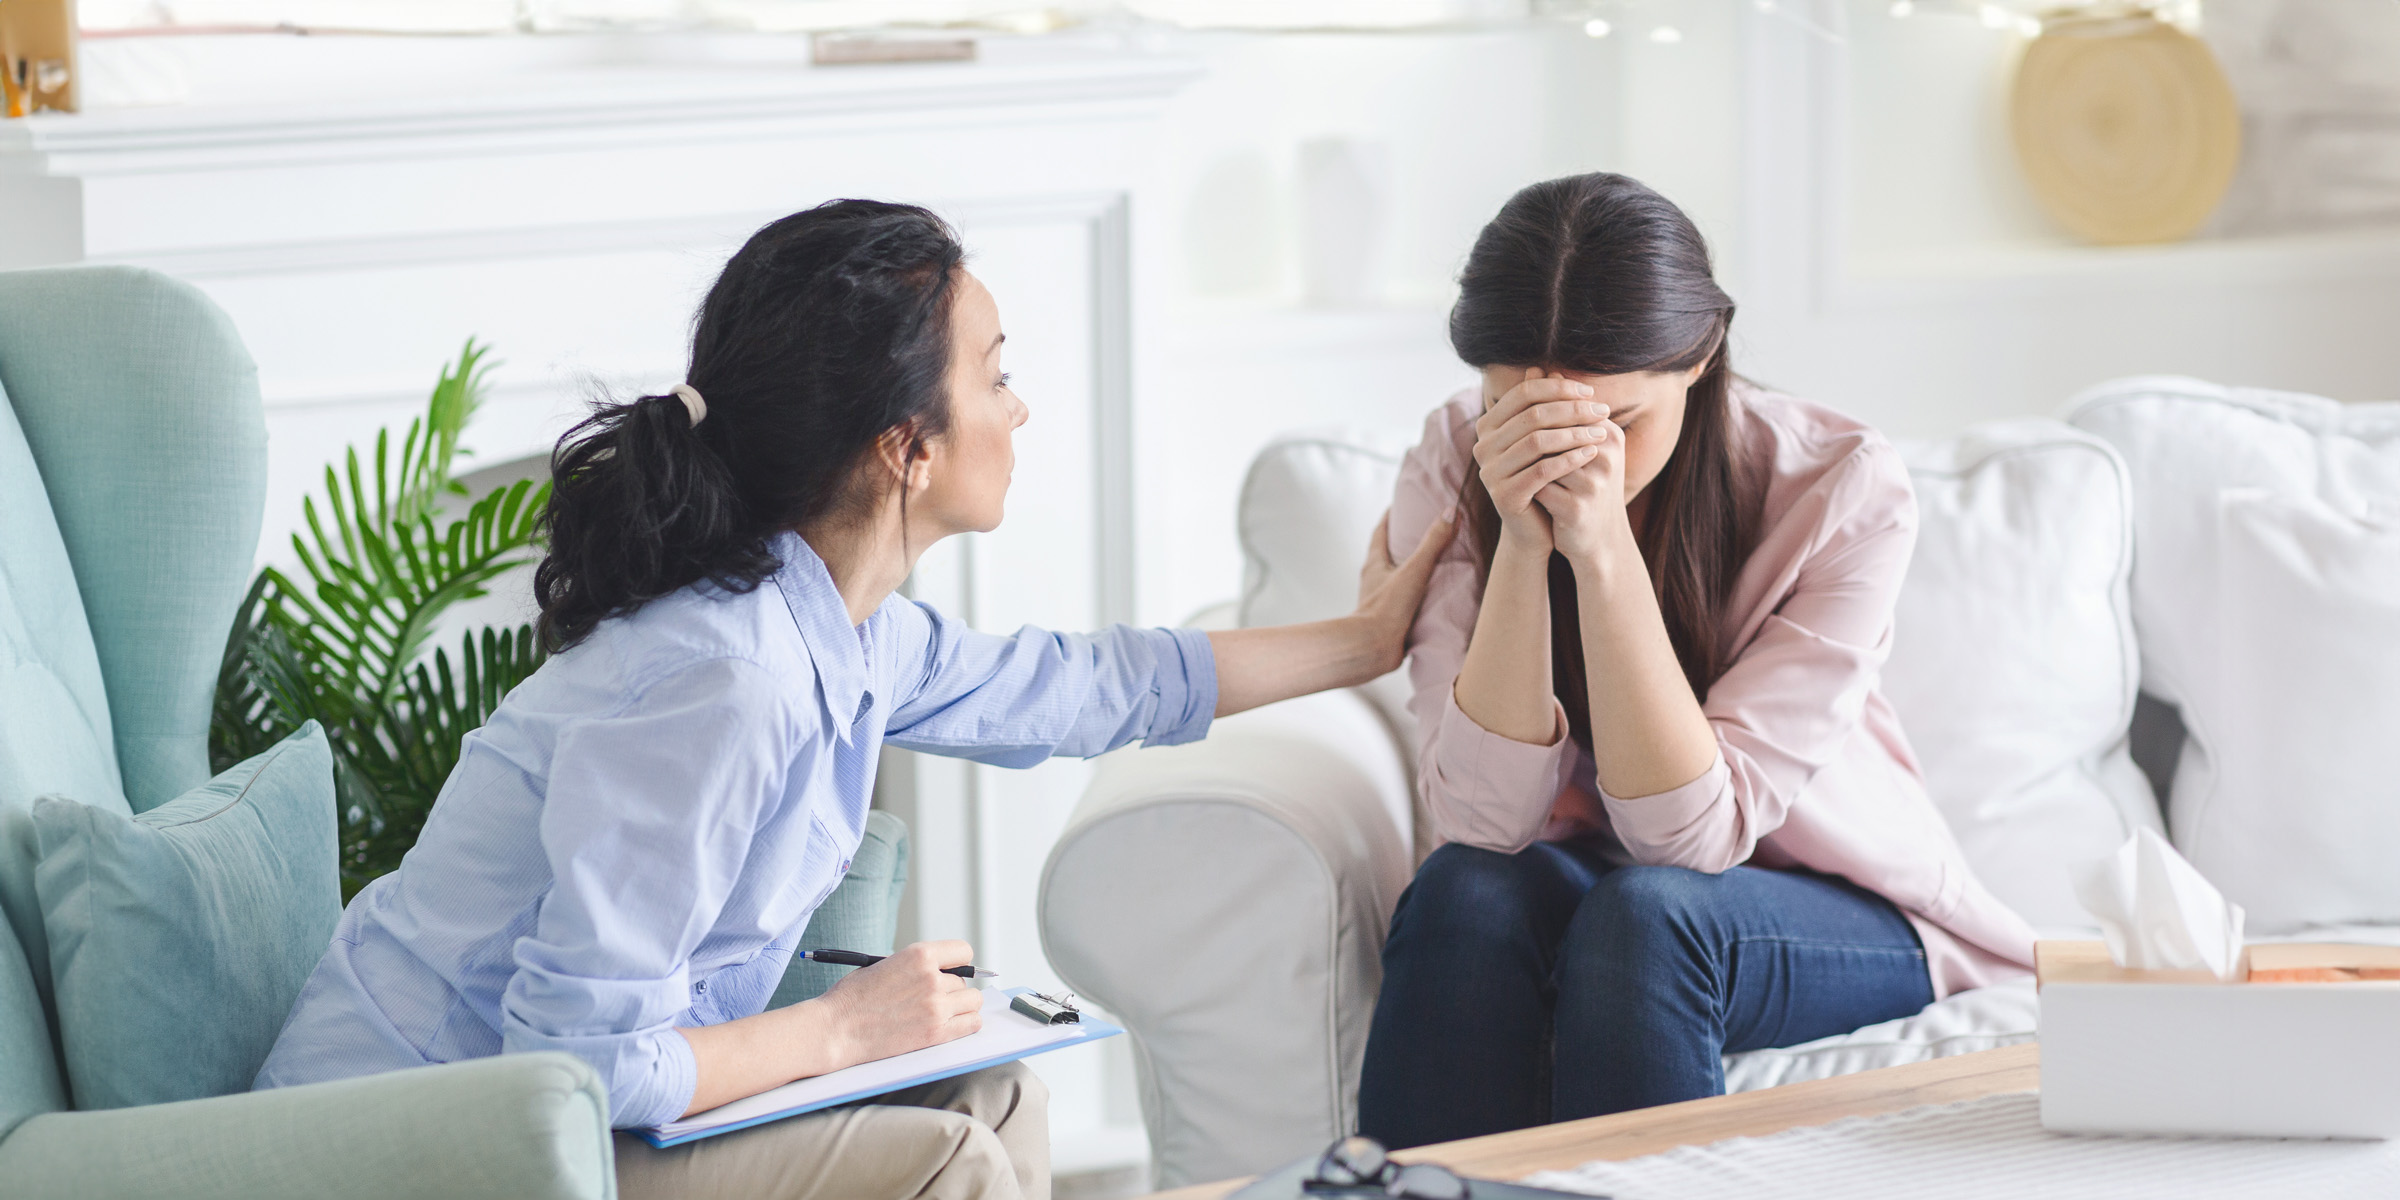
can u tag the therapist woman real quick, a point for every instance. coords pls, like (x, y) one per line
(622, 861)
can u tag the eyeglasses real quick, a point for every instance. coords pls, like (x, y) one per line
(1358, 1166)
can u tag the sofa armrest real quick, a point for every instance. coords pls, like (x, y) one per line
(1226, 901)
(512, 1126)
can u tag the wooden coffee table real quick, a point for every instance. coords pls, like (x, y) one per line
(1698, 1122)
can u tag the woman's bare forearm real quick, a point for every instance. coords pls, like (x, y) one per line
(1262, 666)
(1278, 662)
(1504, 684)
(743, 1058)
(1649, 734)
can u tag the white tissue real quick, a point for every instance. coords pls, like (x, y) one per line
(2158, 913)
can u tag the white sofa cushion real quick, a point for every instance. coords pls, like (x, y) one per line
(1985, 1018)
(2013, 665)
(1307, 507)
(2267, 593)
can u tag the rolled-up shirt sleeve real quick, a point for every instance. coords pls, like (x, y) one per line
(1478, 787)
(1014, 701)
(649, 816)
(1797, 691)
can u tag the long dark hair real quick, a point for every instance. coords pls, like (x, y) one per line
(1599, 274)
(827, 330)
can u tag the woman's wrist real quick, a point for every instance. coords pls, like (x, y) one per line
(1609, 556)
(1364, 647)
(1520, 538)
(1527, 554)
(821, 1035)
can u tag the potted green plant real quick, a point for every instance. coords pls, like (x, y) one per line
(393, 542)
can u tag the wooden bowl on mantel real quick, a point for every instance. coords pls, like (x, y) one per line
(2125, 127)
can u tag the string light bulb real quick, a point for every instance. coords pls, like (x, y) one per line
(1902, 8)
(1596, 28)
(1666, 35)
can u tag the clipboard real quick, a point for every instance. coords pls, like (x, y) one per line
(1007, 1035)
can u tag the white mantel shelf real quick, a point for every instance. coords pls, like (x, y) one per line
(308, 176)
(598, 130)
(617, 105)
(319, 153)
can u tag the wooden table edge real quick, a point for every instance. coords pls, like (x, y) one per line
(1522, 1152)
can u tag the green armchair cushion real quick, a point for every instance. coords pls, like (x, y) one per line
(54, 729)
(54, 725)
(179, 938)
(140, 406)
(509, 1127)
(29, 1080)
(860, 915)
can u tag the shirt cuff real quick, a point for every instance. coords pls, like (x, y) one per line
(651, 1074)
(1664, 818)
(667, 1094)
(1491, 790)
(1186, 679)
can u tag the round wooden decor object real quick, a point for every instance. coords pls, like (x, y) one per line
(2125, 127)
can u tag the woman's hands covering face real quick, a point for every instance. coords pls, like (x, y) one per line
(1553, 464)
(1587, 505)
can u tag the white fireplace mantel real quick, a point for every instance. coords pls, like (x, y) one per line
(610, 106)
(361, 205)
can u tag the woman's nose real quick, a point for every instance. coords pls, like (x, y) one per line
(1018, 413)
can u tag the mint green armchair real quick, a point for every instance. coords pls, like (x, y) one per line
(132, 476)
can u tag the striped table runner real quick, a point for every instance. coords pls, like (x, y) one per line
(1990, 1148)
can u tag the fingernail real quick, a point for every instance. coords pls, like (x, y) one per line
(1583, 389)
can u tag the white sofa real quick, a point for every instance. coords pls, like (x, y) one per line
(1227, 900)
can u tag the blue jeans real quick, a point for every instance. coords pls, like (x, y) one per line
(1520, 989)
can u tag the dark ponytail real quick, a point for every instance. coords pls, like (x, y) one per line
(1599, 274)
(827, 330)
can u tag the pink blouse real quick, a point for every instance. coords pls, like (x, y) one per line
(1812, 770)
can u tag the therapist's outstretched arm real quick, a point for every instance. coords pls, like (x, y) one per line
(1262, 666)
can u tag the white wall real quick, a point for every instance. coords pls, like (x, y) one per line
(1894, 264)
(1232, 349)
(1853, 172)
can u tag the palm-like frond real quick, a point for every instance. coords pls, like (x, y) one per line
(246, 721)
(347, 644)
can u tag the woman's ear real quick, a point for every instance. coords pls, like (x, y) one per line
(903, 454)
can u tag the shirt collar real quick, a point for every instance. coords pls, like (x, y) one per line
(835, 645)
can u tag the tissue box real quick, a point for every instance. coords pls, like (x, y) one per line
(2180, 1052)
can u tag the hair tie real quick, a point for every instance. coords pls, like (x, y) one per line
(693, 405)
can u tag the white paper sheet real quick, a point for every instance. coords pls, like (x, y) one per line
(1006, 1035)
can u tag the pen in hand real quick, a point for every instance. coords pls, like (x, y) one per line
(852, 958)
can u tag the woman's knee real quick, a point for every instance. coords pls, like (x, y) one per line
(1469, 892)
(976, 1166)
(995, 1095)
(1639, 918)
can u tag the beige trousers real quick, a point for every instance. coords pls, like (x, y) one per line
(984, 1136)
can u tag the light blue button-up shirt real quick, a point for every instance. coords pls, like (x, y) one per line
(636, 839)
